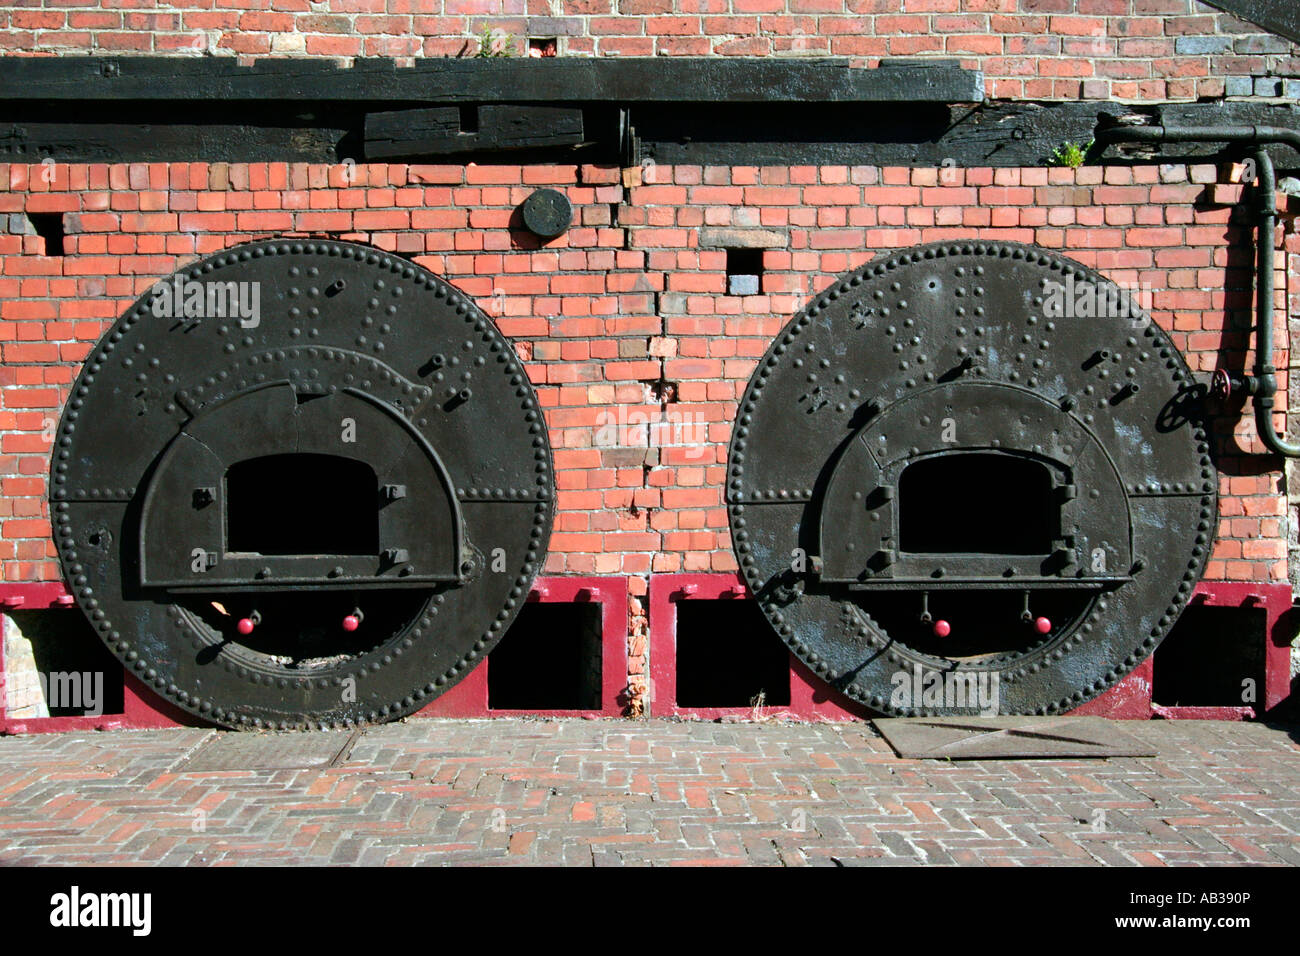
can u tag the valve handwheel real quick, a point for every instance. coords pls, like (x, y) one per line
(1220, 385)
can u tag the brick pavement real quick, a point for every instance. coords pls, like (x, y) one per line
(652, 792)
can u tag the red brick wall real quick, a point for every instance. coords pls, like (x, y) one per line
(625, 315)
(1039, 49)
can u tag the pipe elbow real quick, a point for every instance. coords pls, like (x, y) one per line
(1267, 433)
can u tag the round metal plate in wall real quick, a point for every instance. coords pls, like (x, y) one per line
(972, 477)
(301, 483)
(547, 213)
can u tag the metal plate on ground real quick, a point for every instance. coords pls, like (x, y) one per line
(294, 751)
(999, 738)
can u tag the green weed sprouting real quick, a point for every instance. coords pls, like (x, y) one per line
(1070, 154)
(491, 44)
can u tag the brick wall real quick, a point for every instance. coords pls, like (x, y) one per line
(637, 351)
(1145, 50)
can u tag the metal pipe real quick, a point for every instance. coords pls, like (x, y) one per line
(1263, 398)
(1263, 387)
(1200, 134)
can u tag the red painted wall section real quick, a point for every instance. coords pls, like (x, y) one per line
(810, 698)
(144, 710)
(626, 691)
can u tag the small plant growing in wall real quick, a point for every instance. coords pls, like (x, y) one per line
(1070, 154)
(491, 44)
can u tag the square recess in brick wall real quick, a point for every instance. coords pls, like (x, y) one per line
(565, 655)
(55, 675)
(712, 653)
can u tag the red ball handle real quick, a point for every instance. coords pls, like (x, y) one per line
(942, 629)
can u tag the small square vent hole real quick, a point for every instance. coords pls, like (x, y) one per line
(49, 226)
(55, 666)
(744, 271)
(728, 656)
(550, 659)
(1213, 657)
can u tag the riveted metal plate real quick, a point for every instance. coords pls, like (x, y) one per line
(982, 340)
(347, 354)
(1009, 738)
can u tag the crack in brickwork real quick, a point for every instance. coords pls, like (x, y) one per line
(638, 652)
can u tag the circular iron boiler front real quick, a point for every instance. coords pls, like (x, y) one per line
(972, 478)
(301, 484)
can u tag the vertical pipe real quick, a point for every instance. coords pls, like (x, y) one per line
(1263, 386)
(1266, 184)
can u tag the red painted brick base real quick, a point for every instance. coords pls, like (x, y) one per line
(142, 709)
(810, 698)
(469, 698)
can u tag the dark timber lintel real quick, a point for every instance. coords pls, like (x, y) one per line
(674, 111)
(522, 80)
(453, 130)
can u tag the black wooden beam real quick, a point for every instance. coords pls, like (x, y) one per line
(192, 141)
(454, 130)
(478, 80)
(992, 134)
(752, 112)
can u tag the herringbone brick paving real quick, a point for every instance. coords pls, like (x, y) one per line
(652, 792)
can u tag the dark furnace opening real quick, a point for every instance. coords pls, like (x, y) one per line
(969, 503)
(302, 504)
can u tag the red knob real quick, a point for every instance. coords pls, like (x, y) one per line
(245, 625)
(351, 623)
(942, 628)
(1042, 625)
